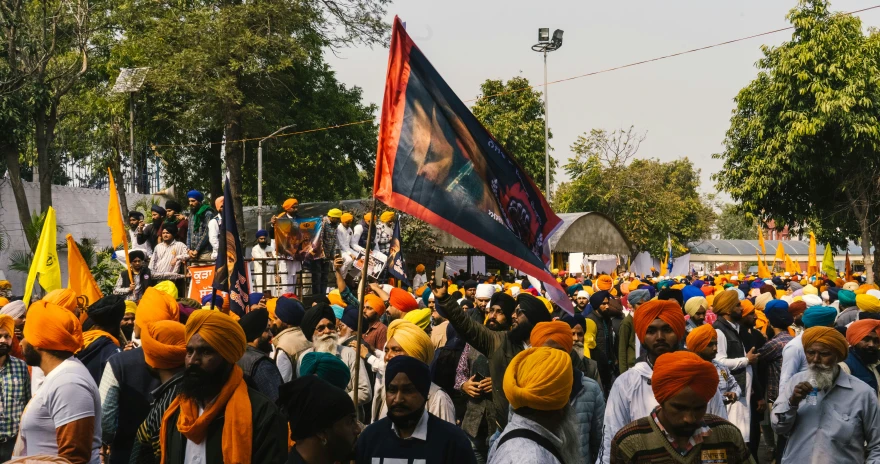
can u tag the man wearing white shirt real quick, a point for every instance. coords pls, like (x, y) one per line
(262, 250)
(343, 242)
(214, 228)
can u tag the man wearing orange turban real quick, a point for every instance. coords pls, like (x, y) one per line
(537, 385)
(375, 332)
(736, 352)
(557, 333)
(290, 217)
(213, 389)
(68, 395)
(660, 327)
(604, 283)
(827, 414)
(17, 387)
(683, 385)
(862, 359)
(164, 348)
(66, 298)
(155, 306)
(703, 341)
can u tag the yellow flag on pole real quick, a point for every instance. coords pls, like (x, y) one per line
(828, 262)
(118, 234)
(847, 268)
(790, 265)
(79, 277)
(812, 264)
(761, 240)
(763, 272)
(780, 254)
(45, 261)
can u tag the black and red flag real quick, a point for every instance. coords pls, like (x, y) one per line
(438, 163)
(229, 268)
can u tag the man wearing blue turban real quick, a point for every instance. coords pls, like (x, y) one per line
(197, 236)
(264, 268)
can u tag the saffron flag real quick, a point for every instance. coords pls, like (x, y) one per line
(396, 264)
(761, 240)
(763, 272)
(79, 277)
(436, 162)
(812, 264)
(118, 234)
(45, 262)
(780, 254)
(828, 262)
(229, 268)
(847, 268)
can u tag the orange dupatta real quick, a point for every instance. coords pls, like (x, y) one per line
(237, 438)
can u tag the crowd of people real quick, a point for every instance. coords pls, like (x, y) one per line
(475, 369)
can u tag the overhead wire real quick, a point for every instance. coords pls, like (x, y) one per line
(522, 89)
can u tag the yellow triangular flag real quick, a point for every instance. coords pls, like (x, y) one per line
(45, 260)
(79, 277)
(763, 272)
(780, 254)
(812, 264)
(828, 262)
(761, 240)
(118, 234)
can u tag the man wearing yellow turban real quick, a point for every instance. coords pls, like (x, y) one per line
(17, 386)
(68, 395)
(407, 339)
(827, 414)
(251, 428)
(538, 383)
(155, 306)
(164, 348)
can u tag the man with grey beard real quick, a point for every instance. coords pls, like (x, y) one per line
(319, 327)
(827, 414)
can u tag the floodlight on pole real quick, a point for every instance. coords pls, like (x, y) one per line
(260, 175)
(546, 45)
(129, 81)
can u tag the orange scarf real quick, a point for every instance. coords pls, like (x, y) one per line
(92, 335)
(234, 401)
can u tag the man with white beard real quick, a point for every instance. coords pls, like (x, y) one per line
(827, 414)
(541, 430)
(319, 327)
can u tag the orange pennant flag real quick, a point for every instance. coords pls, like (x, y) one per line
(763, 272)
(848, 268)
(780, 254)
(812, 263)
(79, 277)
(118, 234)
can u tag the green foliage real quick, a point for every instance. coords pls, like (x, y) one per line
(648, 198)
(514, 114)
(733, 224)
(802, 148)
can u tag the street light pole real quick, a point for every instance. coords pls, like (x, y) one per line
(260, 175)
(545, 45)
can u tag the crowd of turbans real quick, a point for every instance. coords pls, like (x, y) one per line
(719, 367)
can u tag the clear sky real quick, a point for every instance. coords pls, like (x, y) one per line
(684, 103)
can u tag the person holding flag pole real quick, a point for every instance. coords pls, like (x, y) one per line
(118, 232)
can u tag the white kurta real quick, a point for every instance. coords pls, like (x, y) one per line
(258, 252)
(738, 413)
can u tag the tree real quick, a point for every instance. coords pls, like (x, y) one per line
(650, 200)
(802, 148)
(514, 114)
(733, 224)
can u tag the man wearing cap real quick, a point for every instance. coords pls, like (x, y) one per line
(127, 382)
(319, 327)
(538, 384)
(256, 363)
(827, 414)
(862, 360)
(101, 334)
(678, 429)
(289, 340)
(16, 391)
(133, 291)
(136, 224)
(403, 435)
(164, 349)
(659, 326)
(343, 241)
(174, 215)
(262, 251)
(322, 422)
(499, 347)
(198, 247)
(64, 416)
(216, 417)
(149, 234)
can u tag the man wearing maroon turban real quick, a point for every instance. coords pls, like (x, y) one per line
(660, 327)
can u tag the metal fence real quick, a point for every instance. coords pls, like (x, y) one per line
(91, 172)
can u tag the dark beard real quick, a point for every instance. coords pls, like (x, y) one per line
(406, 421)
(127, 331)
(494, 326)
(263, 245)
(31, 356)
(202, 386)
(868, 357)
(264, 346)
(4, 349)
(520, 333)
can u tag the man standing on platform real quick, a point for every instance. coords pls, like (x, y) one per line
(197, 237)
(290, 206)
(263, 250)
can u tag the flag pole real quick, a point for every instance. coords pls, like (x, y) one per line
(362, 288)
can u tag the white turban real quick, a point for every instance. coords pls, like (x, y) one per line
(812, 300)
(485, 291)
(14, 309)
(514, 291)
(583, 294)
(873, 292)
(826, 296)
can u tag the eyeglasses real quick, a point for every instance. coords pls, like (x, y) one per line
(325, 328)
